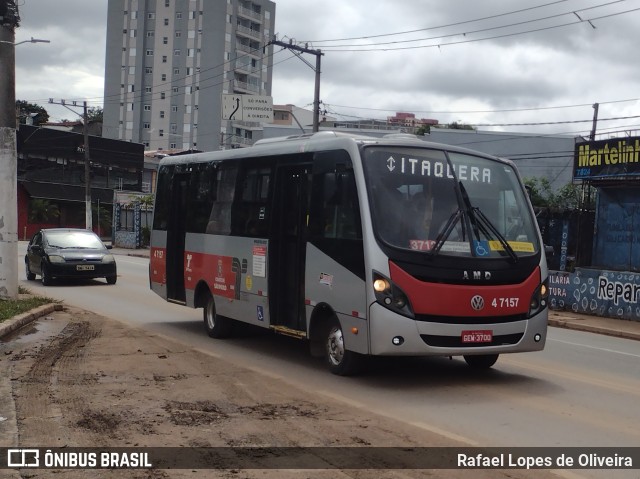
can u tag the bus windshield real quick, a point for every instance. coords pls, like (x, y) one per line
(450, 203)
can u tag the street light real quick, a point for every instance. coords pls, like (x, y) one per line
(8, 154)
(33, 40)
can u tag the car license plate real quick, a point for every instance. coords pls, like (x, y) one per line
(479, 336)
(85, 267)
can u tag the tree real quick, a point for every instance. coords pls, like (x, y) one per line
(42, 211)
(95, 114)
(27, 110)
(569, 197)
(455, 126)
(540, 192)
(423, 130)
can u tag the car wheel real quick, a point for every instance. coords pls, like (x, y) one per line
(112, 279)
(341, 361)
(216, 326)
(30, 276)
(482, 361)
(44, 276)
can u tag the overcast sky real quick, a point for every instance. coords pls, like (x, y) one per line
(515, 63)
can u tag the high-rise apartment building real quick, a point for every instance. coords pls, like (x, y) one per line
(168, 63)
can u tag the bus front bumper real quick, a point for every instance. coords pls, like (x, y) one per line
(396, 335)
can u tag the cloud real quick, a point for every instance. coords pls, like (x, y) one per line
(493, 66)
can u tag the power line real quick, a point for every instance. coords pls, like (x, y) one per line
(436, 28)
(525, 22)
(506, 35)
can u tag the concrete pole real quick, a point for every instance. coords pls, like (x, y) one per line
(87, 171)
(8, 167)
(316, 95)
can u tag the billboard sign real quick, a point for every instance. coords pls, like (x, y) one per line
(613, 158)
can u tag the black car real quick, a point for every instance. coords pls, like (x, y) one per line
(69, 253)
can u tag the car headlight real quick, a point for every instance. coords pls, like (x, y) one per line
(108, 258)
(55, 258)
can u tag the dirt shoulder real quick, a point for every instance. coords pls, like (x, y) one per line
(81, 380)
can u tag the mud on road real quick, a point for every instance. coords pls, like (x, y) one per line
(82, 380)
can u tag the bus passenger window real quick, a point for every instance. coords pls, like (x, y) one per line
(220, 216)
(336, 211)
(250, 212)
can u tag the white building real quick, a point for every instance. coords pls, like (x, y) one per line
(168, 62)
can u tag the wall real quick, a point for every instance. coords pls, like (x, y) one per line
(617, 237)
(598, 292)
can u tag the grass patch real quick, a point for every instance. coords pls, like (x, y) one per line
(12, 307)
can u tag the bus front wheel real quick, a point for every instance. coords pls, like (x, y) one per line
(340, 360)
(216, 326)
(481, 361)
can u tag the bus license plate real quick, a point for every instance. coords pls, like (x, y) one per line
(85, 267)
(479, 336)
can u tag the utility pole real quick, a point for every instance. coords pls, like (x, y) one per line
(316, 96)
(9, 20)
(592, 135)
(87, 163)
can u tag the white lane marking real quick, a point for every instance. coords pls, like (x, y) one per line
(595, 347)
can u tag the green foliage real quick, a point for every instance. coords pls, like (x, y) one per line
(12, 307)
(95, 114)
(569, 197)
(42, 211)
(423, 130)
(146, 236)
(455, 126)
(102, 217)
(36, 112)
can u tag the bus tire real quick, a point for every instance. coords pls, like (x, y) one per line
(217, 327)
(481, 361)
(340, 361)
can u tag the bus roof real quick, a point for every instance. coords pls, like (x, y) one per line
(309, 142)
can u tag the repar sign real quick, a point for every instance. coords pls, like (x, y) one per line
(247, 108)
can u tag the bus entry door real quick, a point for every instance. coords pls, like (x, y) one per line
(290, 225)
(175, 239)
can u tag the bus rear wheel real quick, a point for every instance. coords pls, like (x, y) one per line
(340, 360)
(481, 361)
(216, 326)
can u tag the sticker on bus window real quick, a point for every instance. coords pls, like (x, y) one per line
(521, 246)
(259, 259)
(421, 245)
(326, 279)
(480, 248)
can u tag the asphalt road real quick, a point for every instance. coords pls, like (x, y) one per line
(582, 390)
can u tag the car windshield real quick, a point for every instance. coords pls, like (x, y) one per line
(448, 203)
(73, 239)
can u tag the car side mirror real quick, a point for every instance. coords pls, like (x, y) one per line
(36, 247)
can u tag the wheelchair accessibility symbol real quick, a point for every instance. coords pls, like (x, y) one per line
(260, 313)
(481, 248)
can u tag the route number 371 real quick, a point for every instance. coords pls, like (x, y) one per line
(505, 302)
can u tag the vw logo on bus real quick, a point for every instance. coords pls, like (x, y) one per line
(477, 302)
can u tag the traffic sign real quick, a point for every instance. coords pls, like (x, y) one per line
(247, 108)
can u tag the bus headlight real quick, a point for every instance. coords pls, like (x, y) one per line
(539, 299)
(391, 296)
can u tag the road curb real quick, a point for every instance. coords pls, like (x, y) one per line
(10, 325)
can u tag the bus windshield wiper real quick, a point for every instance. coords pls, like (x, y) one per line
(483, 224)
(446, 231)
